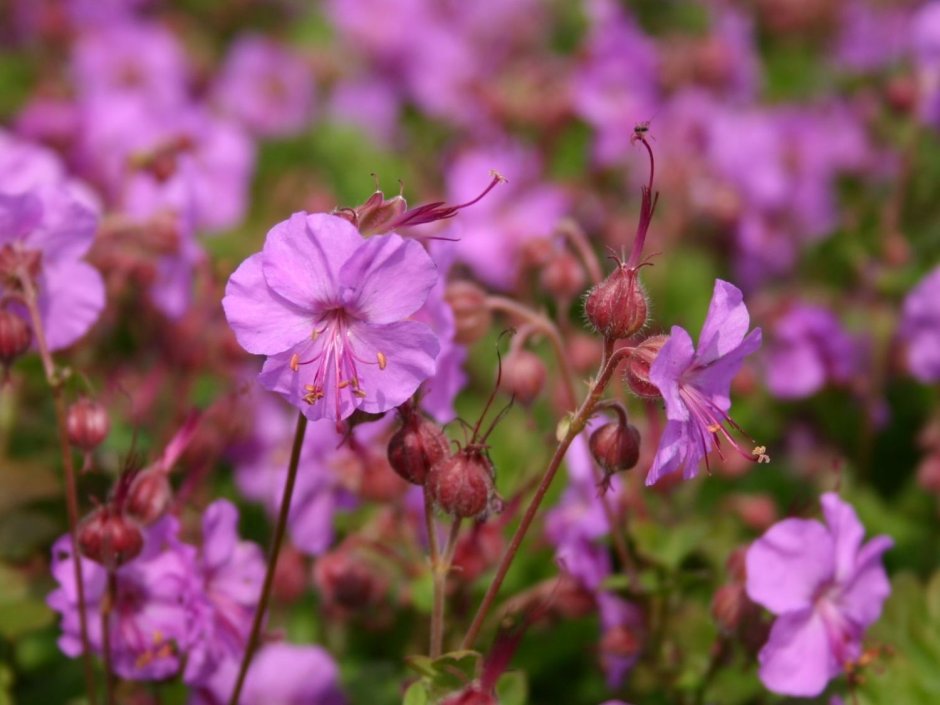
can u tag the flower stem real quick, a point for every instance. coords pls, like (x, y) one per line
(106, 607)
(71, 493)
(276, 542)
(439, 571)
(434, 559)
(576, 425)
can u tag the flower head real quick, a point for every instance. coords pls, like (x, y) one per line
(328, 308)
(695, 383)
(825, 587)
(920, 326)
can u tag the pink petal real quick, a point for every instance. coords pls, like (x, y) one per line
(847, 533)
(673, 359)
(797, 658)
(725, 324)
(71, 298)
(864, 594)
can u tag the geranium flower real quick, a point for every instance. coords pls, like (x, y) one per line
(328, 307)
(695, 384)
(825, 587)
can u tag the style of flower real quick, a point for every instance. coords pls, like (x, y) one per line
(825, 587)
(328, 308)
(920, 328)
(695, 385)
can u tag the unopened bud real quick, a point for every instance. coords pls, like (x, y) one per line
(87, 424)
(928, 473)
(728, 605)
(290, 575)
(637, 373)
(462, 484)
(523, 375)
(563, 276)
(584, 352)
(347, 579)
(149, 496)
(620, 642)
(416, 447)
(109, 538)
(15, 337)
(472, 318)
(617, 307)
(616, 447)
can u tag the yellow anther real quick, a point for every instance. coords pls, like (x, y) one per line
(383, 361)
(761, 453)
(714, 428)
(157, 636)
(345, 383)
(359, 393)
(294, 362)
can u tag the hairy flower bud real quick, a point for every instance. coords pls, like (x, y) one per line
(637, 372)
(616, 447)
(149, 496)
(563, 276)
(416, 447)
(15, 337)
(523, 375)
(472, 318)
(87, 424)
(347, 579)
(109, 537)
(462, 484)
(617, 307)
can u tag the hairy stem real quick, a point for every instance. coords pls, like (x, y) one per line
(575, 426)
(437, 616)
(71, 493)
(439, 572)
(276, 542)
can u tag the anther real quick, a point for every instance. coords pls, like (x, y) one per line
(383, 361)
(761, 453)
(294, 362)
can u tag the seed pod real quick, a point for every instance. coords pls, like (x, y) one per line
(149, 496)
(109, 537)
(563, 276)
(462, 484)
(523, 375)
(617, 307)
(87, 424)
(616, 447)
(728, 605)
(415, 448)
(637, 372)
(15, 337)
(472, 318)
(348, 580)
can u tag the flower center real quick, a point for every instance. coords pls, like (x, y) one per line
(710, 420)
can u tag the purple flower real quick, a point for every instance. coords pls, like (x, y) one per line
(808, 349)
(47, 224)
(369, 104)
(825, 587)
(695, 383)
(266, 87)
(231, 571)
(920, 328)
(328, 308)
(150, 622)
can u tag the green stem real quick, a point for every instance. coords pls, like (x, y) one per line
(440, 569)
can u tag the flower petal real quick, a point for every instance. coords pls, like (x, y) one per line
(797, 658)
(672, 361)
(263, 322)
(71, 297)
(864, 594)
(388, 278)
(219, 533)
(847, 533)
(725, 324)
(788, 564)
(679, 448)
(303, 255)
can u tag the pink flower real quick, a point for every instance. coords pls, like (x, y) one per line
(825, 587)
(329, 309)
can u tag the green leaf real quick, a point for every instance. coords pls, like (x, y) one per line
(512, 688)
(422, 592)
(417, 694)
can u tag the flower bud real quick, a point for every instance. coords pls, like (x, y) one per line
(478, 550)
(637, 372)
(620, 642)
(290, 575)
(617, 307)
(728, 605)
(462, 484)
(615, 446)
(87, 424)
(523, 375)
(472, 318)
(15, 337)
(109, 538)
(348, 580)
(149, 496)
(416, 447)
(563, 276)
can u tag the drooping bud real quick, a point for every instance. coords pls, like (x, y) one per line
(347, 579)
(110, 538)
(15, 337)
(728, 605)
(584, 352)
(563, 276)
(637, 372)
(617, 307)
(149, 496)
(416, 447)
(616, 447)
(87, 424)
(377, 215)
(523, 375)
(472, 318)
(462, 484)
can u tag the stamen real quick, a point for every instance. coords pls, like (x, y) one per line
(383, 361)
(761, 453)
(294, 362)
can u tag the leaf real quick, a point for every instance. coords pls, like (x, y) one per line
(417, 694)
(512, 688)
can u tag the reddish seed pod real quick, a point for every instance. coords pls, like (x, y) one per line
(87, 424)
(347, 580)
(462, 484)
(415, 448)
(563, 276)
(615, 446)
(728, 604)
(617, 307)
(523, 375)
(637, 373)
(149, 496)
(109, 537)
(15, 336)
(472, 318)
